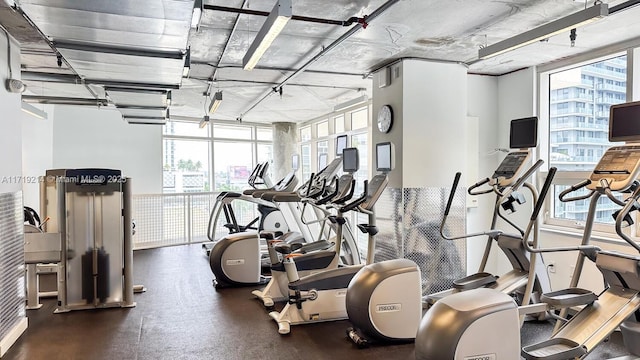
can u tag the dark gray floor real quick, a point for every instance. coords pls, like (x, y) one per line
(182, 316)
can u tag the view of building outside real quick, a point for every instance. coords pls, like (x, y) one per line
(579, 102)
(191, 164)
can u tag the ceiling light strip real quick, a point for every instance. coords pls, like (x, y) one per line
(276, 21)
(384, 7)
(575, 20)
(34, 111)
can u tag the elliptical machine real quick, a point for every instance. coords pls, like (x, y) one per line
(505, 183)
(471, 313)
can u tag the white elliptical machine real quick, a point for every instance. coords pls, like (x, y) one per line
(470, 314)
(388, 316)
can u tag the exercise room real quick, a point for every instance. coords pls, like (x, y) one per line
(297, 179)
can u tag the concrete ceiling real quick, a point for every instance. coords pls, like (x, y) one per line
(134, 43)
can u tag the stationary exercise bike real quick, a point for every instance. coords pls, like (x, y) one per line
(236, 259)
(316, 256)
(321, 296)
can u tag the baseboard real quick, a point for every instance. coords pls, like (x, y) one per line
(13, 335)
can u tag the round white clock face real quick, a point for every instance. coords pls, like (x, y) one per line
(385, 119)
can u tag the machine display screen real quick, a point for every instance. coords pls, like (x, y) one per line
(341, 144)
(523, 133)
(624, 122)
(383, 157)
(295, 162)
(350, 160)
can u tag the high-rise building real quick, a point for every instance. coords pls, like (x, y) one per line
(579, 102)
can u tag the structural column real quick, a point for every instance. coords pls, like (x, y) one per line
(285, 141)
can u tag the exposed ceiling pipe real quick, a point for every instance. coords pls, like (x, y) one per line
(276, 69)
(61, 58)
(256, 82)
(352, 20)
(224, 49)
(624, 6)
(384, 7)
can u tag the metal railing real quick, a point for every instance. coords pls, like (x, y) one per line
(177, 219)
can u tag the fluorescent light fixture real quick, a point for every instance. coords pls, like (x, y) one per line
(360, 99)
(197, 14)
(215, 102)
(204, 122)
(147, 120)
(34, 111)
(545, 31)
(274, 24)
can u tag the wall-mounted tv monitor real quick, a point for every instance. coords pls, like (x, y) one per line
(624, 122)
(295, 162)
(384, 157)
(323, 159)
(350, 160)
(341, 144)
(523, 133)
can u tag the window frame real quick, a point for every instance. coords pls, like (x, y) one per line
(567, 177)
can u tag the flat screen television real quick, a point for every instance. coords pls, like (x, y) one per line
(523, 133)
(384, 157)
(341, 144)
(295, 162)
(323, 159)
(350, 160)
(624, 122)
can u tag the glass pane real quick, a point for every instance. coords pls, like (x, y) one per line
(231, 132)
(306, 161)
(339, 124)
(359, 119)
(322, 129)
(186, 166)
(579, 101)
(322, 147)
(264, 134)
(233, 165)
(360, 141)
(185, 128)
(305, 134)
(265, 152)
(578, 210)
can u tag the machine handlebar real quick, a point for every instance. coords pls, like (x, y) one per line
(352, 205)
(573, 188)
(456, 180)
(477, 185)
(543, 193)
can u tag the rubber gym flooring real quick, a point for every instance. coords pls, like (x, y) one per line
(181, 316)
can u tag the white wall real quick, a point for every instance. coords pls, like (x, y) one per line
(435, 113)
(10, 122)
(37, 153)
(482, 100)
(90, 137)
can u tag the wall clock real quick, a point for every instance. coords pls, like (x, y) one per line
(385, 119)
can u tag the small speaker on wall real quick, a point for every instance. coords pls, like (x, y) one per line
(384, 77)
